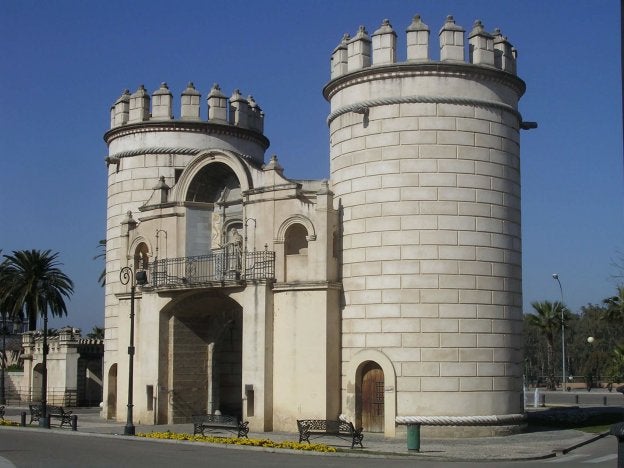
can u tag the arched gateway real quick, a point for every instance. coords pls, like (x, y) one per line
(204, 343)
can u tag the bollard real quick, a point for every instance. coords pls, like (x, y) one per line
(23, 419)
(618, 431)
(74, 422)
(413, 437)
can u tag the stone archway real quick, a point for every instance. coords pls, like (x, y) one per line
(355, 370)
(111, 397)
(205, 365)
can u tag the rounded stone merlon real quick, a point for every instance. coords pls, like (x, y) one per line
(236, 96)
(417, 25)
(252, 103)
(140, 92)
(343, 42)
(125, 97)
(215, 91)
(385, 28)
(190, 90)
(449, 25)
(164, 89)
(478, 30)
(362, 34)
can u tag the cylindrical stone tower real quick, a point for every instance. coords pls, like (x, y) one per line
(425, 168)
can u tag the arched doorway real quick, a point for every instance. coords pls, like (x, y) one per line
(370, 409)
(37, 380)
(205, 365)
(112, 392)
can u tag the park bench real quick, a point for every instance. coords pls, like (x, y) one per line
(314, 428)
(52, 412)
(219, 422)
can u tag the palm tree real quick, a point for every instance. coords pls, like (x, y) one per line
(615, 367)
(102, 254)
(34, 282)
(96, 333)
(547, 320)
(615, 306)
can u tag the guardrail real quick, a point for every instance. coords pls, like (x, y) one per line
(218, 266)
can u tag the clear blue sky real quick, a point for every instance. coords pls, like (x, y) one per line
(64, 63)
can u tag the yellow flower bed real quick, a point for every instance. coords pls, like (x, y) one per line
(4, 422)
(237, 441)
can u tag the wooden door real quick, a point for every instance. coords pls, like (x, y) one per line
(372, 398)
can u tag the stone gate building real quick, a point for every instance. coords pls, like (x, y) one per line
(390, 291)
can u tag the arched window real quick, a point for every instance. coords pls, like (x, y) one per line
(295, 242)
(214, 182)
(296, 253)
(141, 257)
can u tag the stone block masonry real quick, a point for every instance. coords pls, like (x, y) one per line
(445, 193)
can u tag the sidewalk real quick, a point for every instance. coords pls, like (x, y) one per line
(534, 445)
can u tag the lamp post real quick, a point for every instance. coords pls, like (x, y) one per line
(563, 366)
(44, 420)
(126, 275)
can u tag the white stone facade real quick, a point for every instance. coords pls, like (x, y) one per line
(392, 291)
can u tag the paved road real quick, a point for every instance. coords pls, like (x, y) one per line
(22, 449)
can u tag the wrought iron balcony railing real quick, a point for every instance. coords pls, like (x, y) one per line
(218, 266)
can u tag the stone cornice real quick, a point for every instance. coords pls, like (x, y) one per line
(207, 128)
(307, 286)
(411, 69)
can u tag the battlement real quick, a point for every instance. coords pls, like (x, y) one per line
(362, 51)
(236, 111)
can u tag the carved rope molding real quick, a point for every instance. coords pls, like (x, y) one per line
(363, 106)
(158, 150)
(493, 420)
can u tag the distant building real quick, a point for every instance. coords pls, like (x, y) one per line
(74, 366)
(390, 291)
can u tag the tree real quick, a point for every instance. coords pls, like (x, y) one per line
(547, 320)
(96, 333)
(615, 306)
(34, 281)
(102, 254)
(615, 369)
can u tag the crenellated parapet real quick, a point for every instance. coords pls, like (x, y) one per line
(139, 107)
(380, 49)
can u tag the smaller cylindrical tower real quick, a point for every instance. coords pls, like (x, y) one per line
(425, 168)
(149, 149)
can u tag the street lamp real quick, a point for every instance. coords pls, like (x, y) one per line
(563, 366)
(44, 420)
(126, 275)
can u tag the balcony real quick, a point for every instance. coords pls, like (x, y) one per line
(219, 267)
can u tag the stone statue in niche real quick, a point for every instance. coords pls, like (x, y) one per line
(217, 226)
(217, 221)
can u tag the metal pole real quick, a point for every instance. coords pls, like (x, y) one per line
(563, 365)
(44, 420)
(126, 275)
(129, 429)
